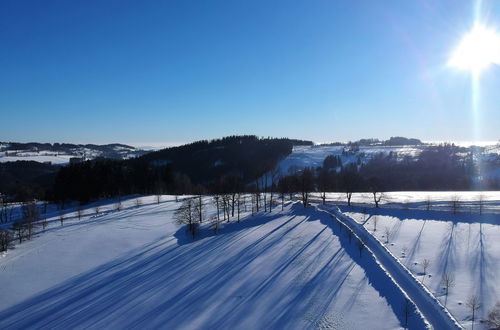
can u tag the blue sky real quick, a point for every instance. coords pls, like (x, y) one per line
(148, 72)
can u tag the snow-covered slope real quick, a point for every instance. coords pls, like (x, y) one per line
(136, 269)
(58, 154)
(464, 245)
(313, 156)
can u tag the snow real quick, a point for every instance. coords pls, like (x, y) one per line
(464, 245)
(313, 156)
(53, 159)
(136, 269)
(427, 304)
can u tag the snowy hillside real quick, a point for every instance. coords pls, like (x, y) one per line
(313, 156)
(293, 269)
(136, 269)
(463, 245)
(60, 154)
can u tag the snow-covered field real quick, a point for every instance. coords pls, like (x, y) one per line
(63, 157)
(136, 269)
(313, 156)
(464, 245)
(55, 159)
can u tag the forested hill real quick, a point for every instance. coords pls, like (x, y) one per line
(246, 157)
(239, 159)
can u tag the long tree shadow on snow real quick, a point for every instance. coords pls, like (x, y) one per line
(110, 291)
(375, 275)
(166, 285)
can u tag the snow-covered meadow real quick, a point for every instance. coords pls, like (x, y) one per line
(135, 268)
(457, 241)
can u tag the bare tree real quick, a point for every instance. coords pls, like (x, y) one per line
(5, 239)
(198, 208)
(19, 229)
(215, 223)
(138, 202)
(387, 233)
(425, 265)
(480, 201)
(257, 195)
(455, 204)
(185, 215)
(239, 199)
(428, 203)
(306, 184)
(493, 320)
(375, 220)
(216, 201)
(29, 226)
(326, 178)
(376, 188)
(79, 212)
(4, 211)
(226, 206)
(61, 217)
(474, 305)
(349, 181)
(45, 222)
(448, 282)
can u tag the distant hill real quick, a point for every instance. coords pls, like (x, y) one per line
(60, 153)
(246, 157)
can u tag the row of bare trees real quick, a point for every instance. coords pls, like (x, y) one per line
(21, 229)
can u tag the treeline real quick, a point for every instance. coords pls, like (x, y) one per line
(226, 164)
(246, 157)
(442, 167)
(61, 147)
(26, 180)
(393, 141)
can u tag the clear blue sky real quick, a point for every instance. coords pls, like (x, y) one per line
(177, 71)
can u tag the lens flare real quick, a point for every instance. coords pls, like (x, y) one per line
(478, 49)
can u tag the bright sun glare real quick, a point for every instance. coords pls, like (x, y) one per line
(477, 50)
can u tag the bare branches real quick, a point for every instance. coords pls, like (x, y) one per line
(186, 215)
(474, 305)
(448, 282)
(425, 264)
(5, 239)
(387, 234)
(455, 204)
(493, 320)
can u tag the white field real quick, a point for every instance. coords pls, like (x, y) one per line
(313, 156)
(465, 245)
(135, 268)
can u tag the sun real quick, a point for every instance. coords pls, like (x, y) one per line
(477, 50)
